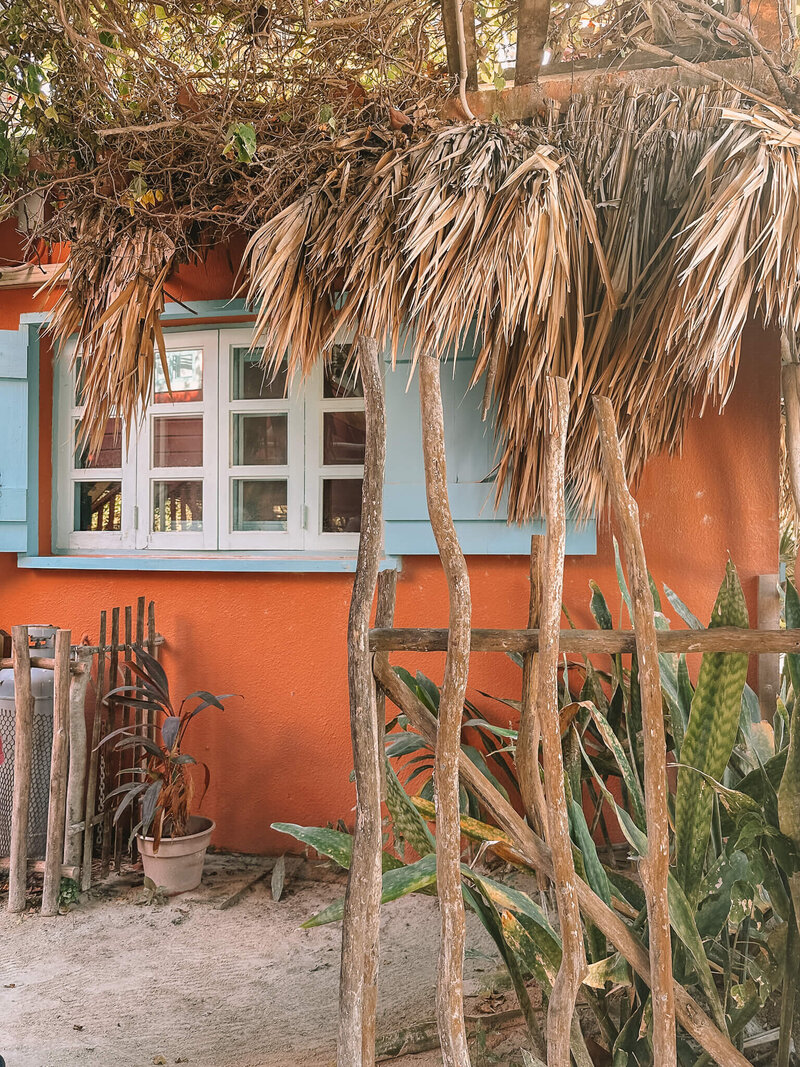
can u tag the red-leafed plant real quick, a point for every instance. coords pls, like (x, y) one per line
(164, 785)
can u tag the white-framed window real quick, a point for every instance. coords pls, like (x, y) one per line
(225, 458)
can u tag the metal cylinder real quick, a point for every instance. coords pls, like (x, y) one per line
(42, 642)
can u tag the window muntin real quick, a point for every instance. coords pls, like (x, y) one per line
(227, 457)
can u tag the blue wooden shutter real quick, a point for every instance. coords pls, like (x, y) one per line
(13, 440)
(470, 459)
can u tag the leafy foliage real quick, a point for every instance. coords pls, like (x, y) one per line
(732, 918)
(163, 784)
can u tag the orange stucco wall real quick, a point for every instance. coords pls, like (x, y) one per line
(283, 752)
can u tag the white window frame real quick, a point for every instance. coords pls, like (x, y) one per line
(292, 537)
(147, 474)
(304, 470)
(316, 469)
(67, 475)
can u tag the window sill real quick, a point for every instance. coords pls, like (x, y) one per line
(301, 562)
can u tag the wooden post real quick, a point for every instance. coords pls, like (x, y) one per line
(572, 971)
(112, 762)
(58, 776)
(655, 864)
(76, 779)
(449, 978)
(126, 759)
(94, 761)
(534, 853)
(23, 757)
(590, 642)
(528, 740)
(361, 926)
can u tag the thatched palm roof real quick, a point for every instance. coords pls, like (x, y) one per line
(621, 242)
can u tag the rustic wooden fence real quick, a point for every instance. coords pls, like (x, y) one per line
(83, 772)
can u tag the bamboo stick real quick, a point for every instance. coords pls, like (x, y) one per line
(126, 759)
(361, 926)
(58, 776)
(572, 970)
(589, 642)
(23, 756)
(94, 763)
(45, 663)
(78, 758)
(112, 761)
(655, 864)
(449, 978)
(38, 867)
(534, 853)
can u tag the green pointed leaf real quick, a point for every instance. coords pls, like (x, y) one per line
(397, 883)
(710, 737)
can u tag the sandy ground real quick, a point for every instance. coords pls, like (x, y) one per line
(119, 983)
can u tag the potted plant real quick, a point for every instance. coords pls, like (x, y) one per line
(172, 841)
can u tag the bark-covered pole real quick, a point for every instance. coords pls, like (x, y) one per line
(654, 865)
(530, 781)
(533, 20)
(573, 958)
(449, 978)
(358, 979)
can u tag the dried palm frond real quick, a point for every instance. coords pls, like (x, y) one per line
(620, 243)
(112, 304)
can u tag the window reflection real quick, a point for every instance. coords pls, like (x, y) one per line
(341, 505)
(177, 506)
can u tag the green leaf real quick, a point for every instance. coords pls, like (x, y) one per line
(682, 611)
(396, 883)
(629, 778)
(615, 969)
(407, 821)
(623, 585)
(792, 614)
(334, 844)
(710, 737)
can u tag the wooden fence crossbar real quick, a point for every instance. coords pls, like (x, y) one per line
(589, 642)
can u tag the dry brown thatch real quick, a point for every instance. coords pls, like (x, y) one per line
(621, 244)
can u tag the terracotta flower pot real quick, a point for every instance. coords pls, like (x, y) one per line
(177, 867)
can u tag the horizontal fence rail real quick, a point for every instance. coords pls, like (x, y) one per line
(588, 642)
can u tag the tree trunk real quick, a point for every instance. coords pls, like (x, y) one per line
(449, 979)
(450, 14)
(573, 959)
(533, 20)
(358, 980)
(655, 865)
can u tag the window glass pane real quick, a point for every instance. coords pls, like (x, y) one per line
(259, 505)
(178, 441)
(341, 505)
(342, 378)
(98, 506)
(344, 437)
(251, 381)
(177, 506)
(185, 367)
(259, 439)
(108, 454)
